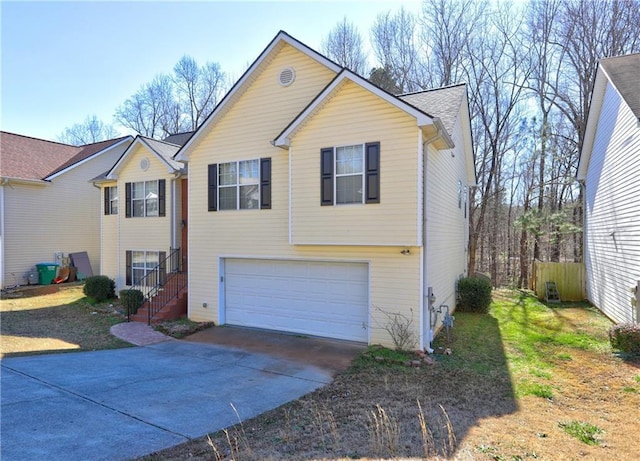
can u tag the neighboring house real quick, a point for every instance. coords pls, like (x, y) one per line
(609, 170)
(319, 204)
(142, 215)
(48, 204)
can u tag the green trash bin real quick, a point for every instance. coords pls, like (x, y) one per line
(46, 273)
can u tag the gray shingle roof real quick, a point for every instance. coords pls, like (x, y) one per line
(624, 73)
(443, 103)
(165, 150)
(179, 139)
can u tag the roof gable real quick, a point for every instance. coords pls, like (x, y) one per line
(87, 152)
(241, 86)
(423, 119)
(33, 159)
(624, 74)
(164, 151)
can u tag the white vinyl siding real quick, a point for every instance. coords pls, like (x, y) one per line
(61, 216)
(612, 213)
(446, 225)
(307, 297)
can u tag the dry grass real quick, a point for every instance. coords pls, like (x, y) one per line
(55, 319)
(473, 405)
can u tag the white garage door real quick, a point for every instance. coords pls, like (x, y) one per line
(308, 297)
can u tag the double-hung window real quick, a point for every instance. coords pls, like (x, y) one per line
(144, 268)
(240, 185)
(111, 200)
(145, 198)
(350, 174)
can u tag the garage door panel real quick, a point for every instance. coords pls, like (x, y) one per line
(307, 297)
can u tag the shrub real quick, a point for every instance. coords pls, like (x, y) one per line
(100, 288)
(474, 295)
(131, 300)
(625, 337)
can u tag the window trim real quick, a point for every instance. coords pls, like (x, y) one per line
(161, 199)
(237, 185)
(263, 183)
(130, 280)
(337, 175)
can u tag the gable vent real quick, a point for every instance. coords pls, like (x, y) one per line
(287, 76)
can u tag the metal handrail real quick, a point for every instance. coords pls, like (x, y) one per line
(159, 286)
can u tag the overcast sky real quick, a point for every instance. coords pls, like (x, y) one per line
(64, 61)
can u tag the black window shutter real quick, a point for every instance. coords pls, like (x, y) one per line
(326, 176)
(213, 187)
(162, 184)
(128, 258)
(372, 171)
(127, 198)
(265, 183)
(107, 200)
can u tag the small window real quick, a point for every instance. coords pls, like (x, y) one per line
(459, 194)
(145, 198)
(145, 268)
(111, 200)
(349, 170)
(350, 174)
(239, 185)
(142, 263)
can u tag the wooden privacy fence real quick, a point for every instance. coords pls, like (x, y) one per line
(569, 278)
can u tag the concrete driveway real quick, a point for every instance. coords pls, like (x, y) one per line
(124, 403)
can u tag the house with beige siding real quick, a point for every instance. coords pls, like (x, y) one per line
(609, 171)
(320, 204)
(142, 218)
(49, 206)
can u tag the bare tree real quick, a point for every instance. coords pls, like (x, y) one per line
(151, 111)
(198, 88)
(174, 104)
(497, 71)
(393, 38)
(448, 26)
(90, 131)
(344, 46)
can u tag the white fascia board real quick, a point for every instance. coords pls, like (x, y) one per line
(91, 157)
(284, 139)
(113, 172)
(6, 180)
(593, 117)
(245, 79)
